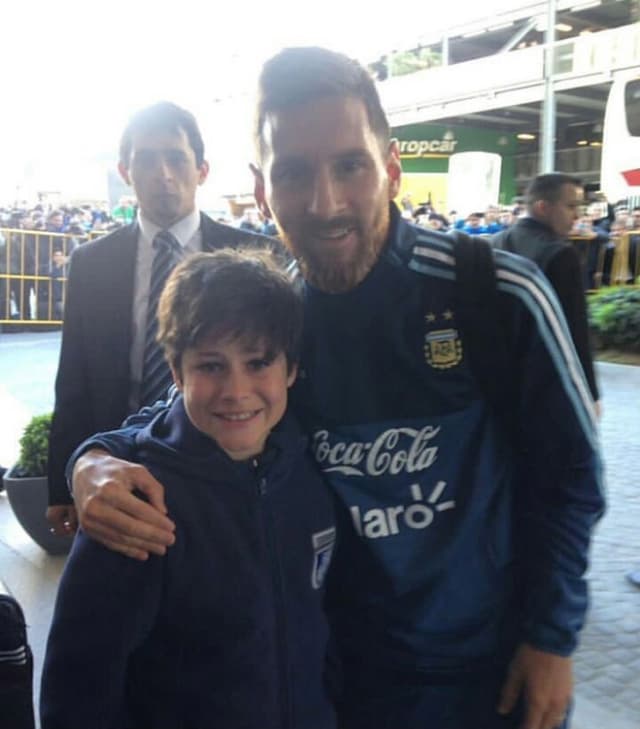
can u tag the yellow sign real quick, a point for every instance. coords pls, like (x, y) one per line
(423, 186)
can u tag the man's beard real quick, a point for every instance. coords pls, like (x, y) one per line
(331, 275)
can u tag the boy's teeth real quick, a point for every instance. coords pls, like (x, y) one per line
(237, 416)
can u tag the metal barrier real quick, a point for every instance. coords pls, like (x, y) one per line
(612, 262)
(625, 267)
(33, 275)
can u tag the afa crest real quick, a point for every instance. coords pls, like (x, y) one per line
(443, 348)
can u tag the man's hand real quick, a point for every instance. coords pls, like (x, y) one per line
(63, 519)
(547, 682)
(109, 512)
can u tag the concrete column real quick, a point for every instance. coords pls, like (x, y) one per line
(548, 122)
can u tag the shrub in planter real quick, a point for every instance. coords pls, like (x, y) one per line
(34, 447)
(614, 317)
(26, 484)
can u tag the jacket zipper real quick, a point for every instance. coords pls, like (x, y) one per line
(280, 620)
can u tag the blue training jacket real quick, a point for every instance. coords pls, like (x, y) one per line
(458, 540)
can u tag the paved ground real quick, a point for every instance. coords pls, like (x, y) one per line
(608, 661)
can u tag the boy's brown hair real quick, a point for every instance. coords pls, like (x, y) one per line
(230, 294)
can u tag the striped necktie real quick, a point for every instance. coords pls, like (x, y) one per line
(156, 376)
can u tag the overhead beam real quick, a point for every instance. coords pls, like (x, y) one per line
(519, 35)
(499, 119)
(535, 111)
(582, 102)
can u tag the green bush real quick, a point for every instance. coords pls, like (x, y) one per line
(34, 447)
(614, 317)
(404, 62)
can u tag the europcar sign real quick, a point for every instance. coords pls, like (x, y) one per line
(428, 147)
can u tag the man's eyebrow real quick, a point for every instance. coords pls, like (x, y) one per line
(355, 152)
(290, 159)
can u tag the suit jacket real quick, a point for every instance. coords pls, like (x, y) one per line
(93, 380)
(560, 263)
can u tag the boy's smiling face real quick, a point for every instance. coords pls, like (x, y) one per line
(234, 392)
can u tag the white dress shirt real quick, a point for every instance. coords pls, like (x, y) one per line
(187, 233)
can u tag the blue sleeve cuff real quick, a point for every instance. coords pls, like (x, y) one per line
(119, 443)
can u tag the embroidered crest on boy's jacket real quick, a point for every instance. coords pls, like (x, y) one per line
(323, 543)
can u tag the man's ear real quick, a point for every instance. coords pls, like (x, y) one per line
(394, 168)
(540, 209)
(259, 191)
(124, 172)
(204, 171)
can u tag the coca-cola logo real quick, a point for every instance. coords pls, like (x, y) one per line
(394, 451)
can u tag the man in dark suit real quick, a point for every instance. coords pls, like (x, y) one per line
(554, 202)
(103, 358)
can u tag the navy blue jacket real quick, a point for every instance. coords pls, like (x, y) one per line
(228, 629)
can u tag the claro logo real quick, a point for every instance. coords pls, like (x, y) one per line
(387, 522)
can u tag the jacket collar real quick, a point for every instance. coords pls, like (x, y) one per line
(536, 226)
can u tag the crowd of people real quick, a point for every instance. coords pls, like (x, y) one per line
(492, 220)
(45, 256)
(74, 220)
(35, 246)
(597, 216)
(37, 243)
(599, 223)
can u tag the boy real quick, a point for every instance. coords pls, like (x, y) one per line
(227, 629)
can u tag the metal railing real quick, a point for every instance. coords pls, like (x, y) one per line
(625, 267)
(615, 262)
(33, 275)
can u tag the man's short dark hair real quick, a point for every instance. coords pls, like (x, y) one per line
(300, 75)
(230, 294)
(548, 187)
(163, 116)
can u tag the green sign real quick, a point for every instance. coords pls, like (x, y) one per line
(427, 148)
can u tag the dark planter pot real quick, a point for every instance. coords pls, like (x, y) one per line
(28, 497)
